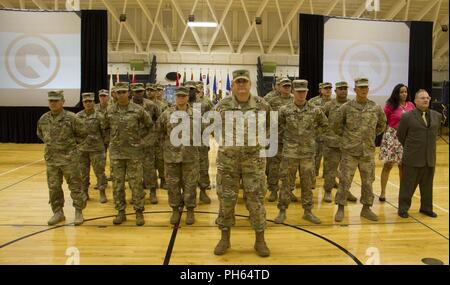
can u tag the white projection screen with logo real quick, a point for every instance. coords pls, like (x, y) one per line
(39, 51)
(378, 50)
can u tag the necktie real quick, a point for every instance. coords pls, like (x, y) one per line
(424, 117)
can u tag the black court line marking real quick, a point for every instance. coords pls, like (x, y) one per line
(172, 239)
(417, 220)
(348, 253)
(15, 183)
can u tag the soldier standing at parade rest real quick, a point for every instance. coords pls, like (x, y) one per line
(358, 122)
(92, 150)
(127, 121)
(103, 96)
(181, 162)
(241, 162)
(299, 121)
(62, 132)
(150, 139)
(332, 142)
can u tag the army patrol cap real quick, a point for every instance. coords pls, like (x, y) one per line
(182, 91)
(122, 86)
(300, 85)
(150, 86)
(341, 84)
(278, 80)
(88, 96)
(241, 73)
(103, 92)
(190, 84)
(320, 85)
(361, 82)
(285, 81)
(56, 95)
(159, 87)
(200, 85)
(327, 85)
(137, 87)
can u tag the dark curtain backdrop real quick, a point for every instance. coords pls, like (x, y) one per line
(311, 51)
(18, 124)
(420, 57)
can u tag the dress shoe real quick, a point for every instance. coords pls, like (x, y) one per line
(429, 213)
(403, 214)
(382, 199)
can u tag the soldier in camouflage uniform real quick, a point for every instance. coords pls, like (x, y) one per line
(128, 123)
(332, 142)
(61, 131)
(150, 139)
(103, 96)
(299, 121)
(273, 163)
(153, 94)
(195, 96)
(275, 92)
(181, 162)
(92, 150)
(319, 101)
(241, 162)
(358, 122)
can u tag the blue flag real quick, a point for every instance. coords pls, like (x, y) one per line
(228, 86)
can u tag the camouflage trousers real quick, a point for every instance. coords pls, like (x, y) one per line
(159, 161)
(181, 182)
(318, 150)
(150, 177)
(230, 171)
(348, 166)
(133, 169)
(273, 170)
(71, 172)
(331, 160)
(203, 181)
(288, 171)
(98, 160)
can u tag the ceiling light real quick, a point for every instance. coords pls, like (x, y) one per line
(202, 24)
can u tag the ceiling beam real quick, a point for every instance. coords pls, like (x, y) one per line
(425, 10)
(220, 25)
(146, 12)
(331, 7)
(6, 4)
(252, 24)
(41, 5)
(344, 9)
(442, 50)
(311, 7)
(360, 10)
(127, 26)
(407, 10)
(291, 16)
(395, 9)
(288, 30)
(435, 18)
(249, 29)
(153, 27)
(183, 19)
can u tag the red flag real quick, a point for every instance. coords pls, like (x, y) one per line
(117, 76)
(177, 81)
(133, 77)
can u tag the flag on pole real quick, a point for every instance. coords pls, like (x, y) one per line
(192, 75)
(207, 89)
(117, 75)
(133, 77)
(200, 75)
(215, 88)
(184, 76)
(177, 80)
(110, 84)
(228, 86)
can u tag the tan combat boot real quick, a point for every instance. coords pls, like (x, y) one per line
(327, 197)
(153, 198)
(120, 218)
(339, 214)
(309, 216)
(190, 219)
(273, 196)
(102, 196)
(281, 217)
(204, 197)
(367, 213)
(140, 218)
(260, 245)
(79, 219)
(224, 242)
(57, 217)
(175, 218)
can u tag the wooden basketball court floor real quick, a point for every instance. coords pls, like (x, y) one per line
(25, 237)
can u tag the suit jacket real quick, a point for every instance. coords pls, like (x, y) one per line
(419, 140)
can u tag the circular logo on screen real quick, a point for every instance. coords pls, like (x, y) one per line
(366, 60)
(32, 61)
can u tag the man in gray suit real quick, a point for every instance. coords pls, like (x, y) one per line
(417, 132)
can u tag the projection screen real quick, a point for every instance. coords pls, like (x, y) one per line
(378, 50)
(39, 51)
